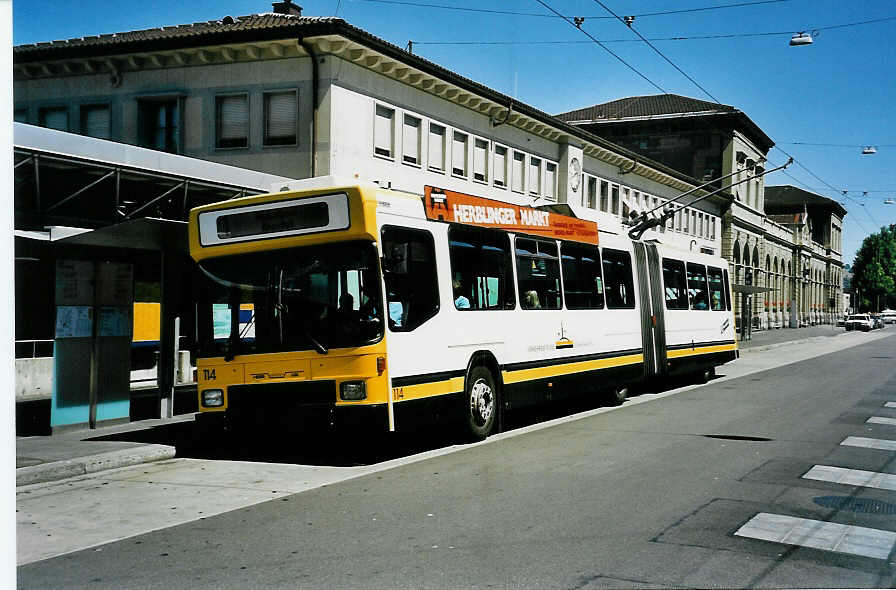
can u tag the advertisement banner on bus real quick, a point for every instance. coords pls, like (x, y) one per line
(454, 207)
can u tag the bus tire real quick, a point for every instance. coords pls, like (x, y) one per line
(618, 395)
(480, 404)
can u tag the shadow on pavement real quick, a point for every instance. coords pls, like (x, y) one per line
(343, 447)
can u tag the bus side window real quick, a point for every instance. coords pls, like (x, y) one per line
(538, 273)
(412, 290)
(675, 284)
(583, 284)
(727, 291)
(481, 272)
(697, 286)
(716, 291)
(620, 289)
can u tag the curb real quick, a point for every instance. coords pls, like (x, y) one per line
(57, 470)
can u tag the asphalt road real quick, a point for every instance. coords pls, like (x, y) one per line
(650, 495)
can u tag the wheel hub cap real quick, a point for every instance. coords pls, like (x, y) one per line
(482, 402)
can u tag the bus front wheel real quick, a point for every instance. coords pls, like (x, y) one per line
(481, 407)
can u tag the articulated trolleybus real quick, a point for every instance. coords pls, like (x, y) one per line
(355, 304)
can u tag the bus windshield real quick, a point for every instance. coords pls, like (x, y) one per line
(308, 298)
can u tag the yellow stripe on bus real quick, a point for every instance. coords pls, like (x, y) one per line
(421, 390)
(569, 368)
(699, 350)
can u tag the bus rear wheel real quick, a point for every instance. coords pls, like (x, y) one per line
(481, 404)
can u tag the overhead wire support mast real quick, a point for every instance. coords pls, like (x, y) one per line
(644, 222)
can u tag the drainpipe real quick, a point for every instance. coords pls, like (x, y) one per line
(314, 107)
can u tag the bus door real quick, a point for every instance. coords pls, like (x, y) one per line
(653, 331)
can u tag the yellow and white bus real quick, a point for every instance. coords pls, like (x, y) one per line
(367, 303)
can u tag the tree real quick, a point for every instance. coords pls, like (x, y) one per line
(874, 271)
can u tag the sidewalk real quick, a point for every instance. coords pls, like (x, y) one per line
(71, 454)
(49, 458)
(765, 339)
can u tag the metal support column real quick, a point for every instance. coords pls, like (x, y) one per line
(167, 336)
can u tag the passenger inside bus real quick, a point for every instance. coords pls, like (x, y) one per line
(460, 300)
(532, 301)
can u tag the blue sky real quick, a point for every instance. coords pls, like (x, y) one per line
(836, 91)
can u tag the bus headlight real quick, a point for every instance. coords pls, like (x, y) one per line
(353, 390)
(212, 398)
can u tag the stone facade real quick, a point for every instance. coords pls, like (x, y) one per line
(789, 240)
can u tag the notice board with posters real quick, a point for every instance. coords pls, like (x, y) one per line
(94, 324)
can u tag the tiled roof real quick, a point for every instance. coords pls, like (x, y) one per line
(282, 24)
(789, 197)
(644, 106)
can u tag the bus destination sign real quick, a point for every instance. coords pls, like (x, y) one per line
(453, 207)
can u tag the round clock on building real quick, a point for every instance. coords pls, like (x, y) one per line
(575, 174)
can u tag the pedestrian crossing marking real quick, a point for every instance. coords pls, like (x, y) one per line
(852, 477)
(869, 443)
(828, 536)
(881, 420)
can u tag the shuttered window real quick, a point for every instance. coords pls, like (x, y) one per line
(550, 180)
(480, 160)
(534, 176)
(54, 118)
(281, 118)
(383, 131)
(500, 166)
(436, 147)
(459, 154)
(411, 140)
(516, 173)
(95, 121)
(232, 121)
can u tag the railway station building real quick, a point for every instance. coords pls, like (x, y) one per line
(787, 239)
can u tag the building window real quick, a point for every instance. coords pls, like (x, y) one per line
(160, 124)
(281, 118)
(232, 121)
(459, 154)
(53, 118)
(410, 140)
(589, 198)
(604, 196)
(516, 176)
(615, 200)
(383, 131)
(550, 181)
(480, 160)
(436, 147)
(20, 115)
(95, 121)
(500, 166)
(534, 176)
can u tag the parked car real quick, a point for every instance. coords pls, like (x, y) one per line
(860, 321)
(889, 316)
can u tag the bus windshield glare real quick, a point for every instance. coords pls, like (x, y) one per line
(308, 298)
